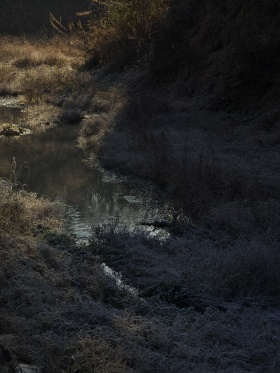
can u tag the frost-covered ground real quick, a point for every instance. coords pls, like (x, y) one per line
(208, 292)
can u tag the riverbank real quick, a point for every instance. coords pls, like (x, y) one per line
(44, 73)
(61, 312)
(208, 292)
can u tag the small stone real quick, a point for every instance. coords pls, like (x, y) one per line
(30, 368)
(132, 199)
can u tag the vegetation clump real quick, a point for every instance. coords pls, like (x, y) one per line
(205, 92)
(61, 312)
(7, 129)
(117, 33)
(182, 94)
(226, 53)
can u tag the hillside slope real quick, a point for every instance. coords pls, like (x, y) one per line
(228, 51)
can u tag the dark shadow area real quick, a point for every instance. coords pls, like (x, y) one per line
(20, 16)
(228, 51)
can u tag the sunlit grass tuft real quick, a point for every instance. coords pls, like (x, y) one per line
(20, 212)
(36, 67)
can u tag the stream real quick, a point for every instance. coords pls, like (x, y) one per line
(93, 197)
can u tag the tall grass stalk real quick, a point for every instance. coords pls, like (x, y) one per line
(116, 31)
(16, 173)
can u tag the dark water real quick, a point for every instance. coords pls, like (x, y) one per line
(57, 170)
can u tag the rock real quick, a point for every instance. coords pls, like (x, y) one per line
(30, 368)
(132, 199)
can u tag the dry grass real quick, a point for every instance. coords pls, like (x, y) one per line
(43, 68)
(210, 292)
(227, 53)
(193, 269)
(117, 33)
(219, 169)
(45, 73)
(104, 106)
(27, 52)
(206, 303)
(20, 211)
(65, 314)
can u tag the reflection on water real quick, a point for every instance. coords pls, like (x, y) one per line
(11, 113)
(57, 171)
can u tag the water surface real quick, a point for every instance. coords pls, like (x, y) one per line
(57, 170)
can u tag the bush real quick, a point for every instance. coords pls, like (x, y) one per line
(117, 32)
(227, 50)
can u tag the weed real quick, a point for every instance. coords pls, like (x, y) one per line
(16, 173)
(210, 294)
(118, 32)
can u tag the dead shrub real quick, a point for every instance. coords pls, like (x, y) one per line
(117, 33)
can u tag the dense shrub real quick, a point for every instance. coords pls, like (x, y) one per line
(119, 32)
(228, 50)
